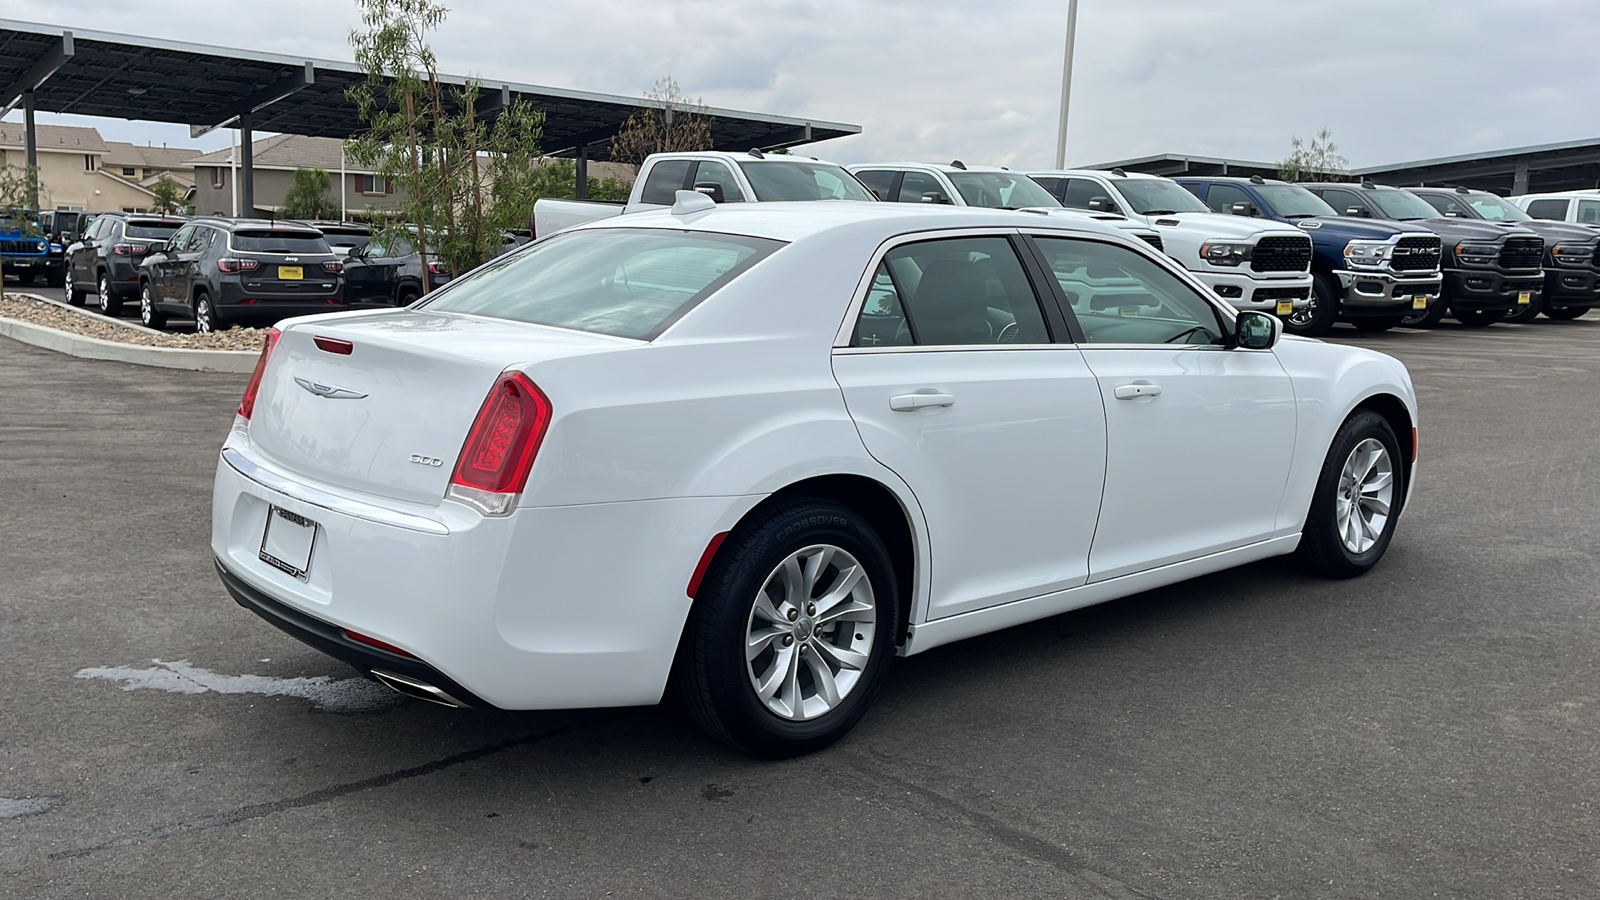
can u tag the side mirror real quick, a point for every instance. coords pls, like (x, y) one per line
(933, 197)
(711, 189)
(1354, 211)
(874, 193)
(1451, 214)
(155, 247)
(1257, 330)
(1102, 204)
(1243, 208)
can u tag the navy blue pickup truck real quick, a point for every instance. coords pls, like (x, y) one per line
(1369, 272)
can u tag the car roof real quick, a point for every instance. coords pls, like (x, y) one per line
(742, 157)
(798, 220)
(937, 167)
(232, 224)
(1103, 173)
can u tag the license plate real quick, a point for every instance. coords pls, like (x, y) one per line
(286, 543)
(1285, 307)
(1419, 301)
(1524, 298)
(291, 273)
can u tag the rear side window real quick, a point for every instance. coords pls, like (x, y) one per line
(1548, 209)
(631, 283)
(665, 180)
(279, 241)
(881, 181)
(157, 230)
(957, 291)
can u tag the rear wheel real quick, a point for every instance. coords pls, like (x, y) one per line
(1525, 314)
(1316, 318)
(1378, 323)
(110, 303)
(148, 314)
(792, 630)
(1477, 318)
(206, 320)
(1357, 499)
(1566, 313)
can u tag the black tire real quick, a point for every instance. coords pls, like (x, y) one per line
(75, 295)
(55, 279)
(1375, 323)
(206, 318)
(1316, 319)
(712, 679)
(109, 302)
(407, 298)
(1522, 315)
(1428, 318)
(1477, 318)
(149, 315)
(1566, 313)
(1322, 549)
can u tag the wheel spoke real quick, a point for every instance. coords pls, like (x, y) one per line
(840, 656)
(854, 611)
(822, 677)
(775, 676)
(766, 610)
(842, 587)
(814, 567)
(789, 696)
(760, 641)
(1381, 480)
(792, 580)
(1376, 504)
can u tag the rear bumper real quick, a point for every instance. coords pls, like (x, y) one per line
(237, 300)
(1384, 293)
(1260, 292)
(1488, 290)
(1564, 287)
(548, 608)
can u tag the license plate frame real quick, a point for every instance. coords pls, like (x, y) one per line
(289, 548)
(1524, 298)
(291, 273)
(1419, 301)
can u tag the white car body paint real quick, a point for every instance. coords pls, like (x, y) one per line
(577, 598)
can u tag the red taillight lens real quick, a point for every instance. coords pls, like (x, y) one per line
(499, 450)
(334, 267)
(248, 404)
(333, 345)
(129, 249)
(235, 264)
(438, 268)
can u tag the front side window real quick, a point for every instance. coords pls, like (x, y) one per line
(1589, 212)
(627, 282)
(1120, 297)
(176, 242)
(712, 172)
(666, 179)
(1082, 190)
(1396, 204)
(1343, 201)
(1221, 197)
(1001, 190)
(1291, 201)
(951, 292)
(796, 180)
(1158, 196)
(916, 185)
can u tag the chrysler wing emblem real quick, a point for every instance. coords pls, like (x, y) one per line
(327, 390)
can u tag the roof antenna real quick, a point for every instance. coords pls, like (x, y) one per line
(958, 164)
(1257, 179)
(756, 152)
(1118, 171)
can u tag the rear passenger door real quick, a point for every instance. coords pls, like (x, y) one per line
(953, 373)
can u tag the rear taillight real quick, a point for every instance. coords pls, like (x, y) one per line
(499, 450)
(334, 267)
(129, 249)
(235, 264)
(333, 345)
(437, 268)
(247, 405)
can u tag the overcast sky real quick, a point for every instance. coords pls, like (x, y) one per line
(938, 79)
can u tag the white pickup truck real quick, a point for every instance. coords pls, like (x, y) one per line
(749, 177)
(1252, 264)
(959, 184)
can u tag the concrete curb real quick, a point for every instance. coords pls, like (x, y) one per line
(238, 361)
(92, 316)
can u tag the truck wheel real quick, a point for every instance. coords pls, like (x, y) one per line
(1525, 314)
(1316, 318)
(1566, 313)
(792, 630)
(1428, 318)
(1375, 324)
(1357, 499)
(1477, 318)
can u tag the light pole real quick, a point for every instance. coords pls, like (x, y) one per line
(1066, 84)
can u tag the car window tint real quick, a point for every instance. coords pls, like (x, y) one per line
(879, 180)
(279, 241)
(665, 180)
(156, 230)
(797, 180)
(1548, 209)
(916, 184)
(1342, 200)
(1081, 190)
(1121, 297)
(712, 172)
(1445, 204)
(628, 282)
(882, 322)
(180, 238)
(966, 291)
(1222, 197)
(1589, 212)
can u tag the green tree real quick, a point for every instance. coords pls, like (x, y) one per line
(462, 179)
(669, 123)
(168, 196)
(310, 196)
(18, 187)
(1318, 160)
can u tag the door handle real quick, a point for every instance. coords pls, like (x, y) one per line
(1135, 391)
(909, 402)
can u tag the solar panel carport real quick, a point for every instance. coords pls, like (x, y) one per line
(91, 73)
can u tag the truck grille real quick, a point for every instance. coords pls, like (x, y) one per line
(1153, 240)
(22, 247)
(1289, 253)
(1522, 253)
(1416, 254)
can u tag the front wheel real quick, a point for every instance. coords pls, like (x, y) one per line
(1566, 313)
(1522, 315)
(1477, 318)
(1357, 500)
(1316, 318)
(792, 631)
(110, 304)
(1427, 318)
(76, 296)
(148, 314)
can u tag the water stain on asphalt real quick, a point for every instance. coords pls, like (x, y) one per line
(16, 808)
(348, 695)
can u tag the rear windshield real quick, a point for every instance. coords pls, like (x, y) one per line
(279, 242)
(629, 283)
(795, 180)
(150, 229)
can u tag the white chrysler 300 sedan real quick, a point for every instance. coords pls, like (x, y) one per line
(750, 454)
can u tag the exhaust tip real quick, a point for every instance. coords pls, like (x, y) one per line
(420, 690)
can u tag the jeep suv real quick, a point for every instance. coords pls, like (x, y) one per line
(106, 258)
(223, 271)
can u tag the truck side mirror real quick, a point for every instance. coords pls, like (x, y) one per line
(711, 189)
(1243, 208)
(1102, 204)
(1451, 214)
(933, 197)
(1354, 211)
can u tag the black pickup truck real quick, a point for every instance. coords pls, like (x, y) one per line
(1571, 252)
(1489, 270)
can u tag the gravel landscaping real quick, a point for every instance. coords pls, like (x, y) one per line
(90, 324)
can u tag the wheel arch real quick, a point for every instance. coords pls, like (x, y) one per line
(1394, 411)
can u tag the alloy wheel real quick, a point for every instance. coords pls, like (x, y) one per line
(809, 635)
(203, 315)
(146, 306)
(1301, 316)
(1365, 496)
(104, 288)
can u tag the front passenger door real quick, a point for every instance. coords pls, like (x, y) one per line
(164, 268)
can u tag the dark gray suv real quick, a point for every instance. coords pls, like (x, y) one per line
(105, 260)
(225, 271)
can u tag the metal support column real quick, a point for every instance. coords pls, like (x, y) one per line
(582, 171)
(1519, 181)
(30, 143)
(247, 168)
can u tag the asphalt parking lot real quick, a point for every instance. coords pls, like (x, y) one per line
(1430, 730)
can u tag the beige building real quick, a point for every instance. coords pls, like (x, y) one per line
(276, 158)
(79, 170)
